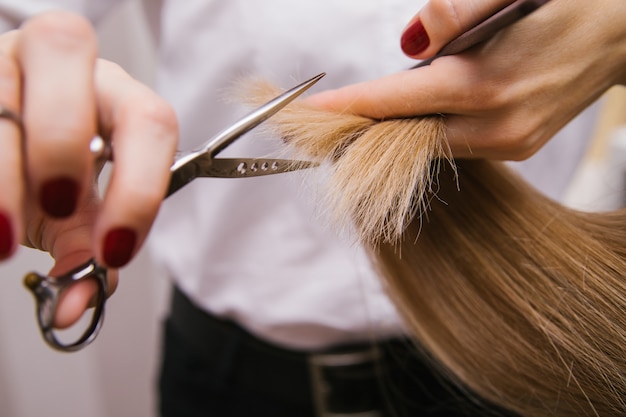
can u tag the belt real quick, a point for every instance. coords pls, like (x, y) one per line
(345, 381)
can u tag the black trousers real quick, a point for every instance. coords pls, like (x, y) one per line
(215, 368)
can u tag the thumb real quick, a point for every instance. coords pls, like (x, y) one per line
(441, 21)
(70, 243)
(76, 299)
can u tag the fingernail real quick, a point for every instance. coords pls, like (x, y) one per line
(414, 39)
(6, 236)
(119, 245)
(59, 197)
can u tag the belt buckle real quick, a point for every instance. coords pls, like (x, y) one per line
(334, 373)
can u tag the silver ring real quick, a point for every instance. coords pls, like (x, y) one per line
(101, 149)
(12, 116)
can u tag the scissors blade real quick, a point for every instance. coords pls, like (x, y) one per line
(256, 117)
(205, 166)
(252, 167)
(199, 163)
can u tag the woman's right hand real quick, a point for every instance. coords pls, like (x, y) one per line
(51, 77)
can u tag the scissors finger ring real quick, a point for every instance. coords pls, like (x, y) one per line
(47, 292)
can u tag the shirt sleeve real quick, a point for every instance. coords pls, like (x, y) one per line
(13, 12)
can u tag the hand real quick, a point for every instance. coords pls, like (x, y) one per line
(50, 74)
(506, 97)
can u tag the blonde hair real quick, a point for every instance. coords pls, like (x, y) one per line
(515, 296)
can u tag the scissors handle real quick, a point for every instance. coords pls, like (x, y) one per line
(487, 28)
(47, 292)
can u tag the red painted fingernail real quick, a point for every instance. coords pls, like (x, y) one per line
(119, 245)
(59, 197)
(414, 39)
(6, 236)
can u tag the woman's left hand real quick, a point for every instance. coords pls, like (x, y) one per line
(507, 97)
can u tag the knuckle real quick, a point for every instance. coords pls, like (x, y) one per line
(157, 111)
(9, 79)
(8, 40)
(520, 143)
(523, 149)
(65, 132)
(110, 69)
(500, 136)
(63, 30)
(517, 150)
(447, 13)
(492, 95)
(8, 68)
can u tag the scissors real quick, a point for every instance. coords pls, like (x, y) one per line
(203, 163)
(186, 167)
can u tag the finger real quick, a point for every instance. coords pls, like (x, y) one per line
(441, 21)
(11, 180)
(144, 131)
(69, 242)
(77, 298)
(438, 88)
(479, 122)
(57, 52)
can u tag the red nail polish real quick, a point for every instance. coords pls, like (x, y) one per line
(414, 39)
(6, 236)
(118, 247)
(59, 197)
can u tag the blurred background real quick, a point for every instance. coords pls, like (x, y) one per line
(115, 376)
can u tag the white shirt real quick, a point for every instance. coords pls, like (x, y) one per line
(256, 250)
